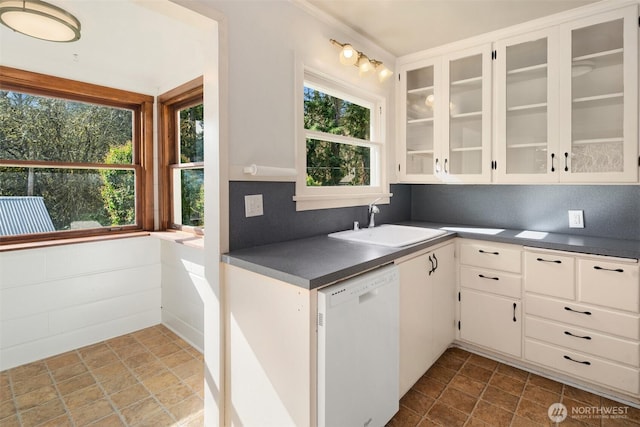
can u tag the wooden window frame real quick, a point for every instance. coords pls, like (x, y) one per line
(169, 103)
(12, 79)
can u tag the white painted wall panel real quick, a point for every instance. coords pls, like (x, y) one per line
(55, 299)
(183, 287)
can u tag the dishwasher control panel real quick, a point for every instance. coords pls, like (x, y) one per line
(360, 285)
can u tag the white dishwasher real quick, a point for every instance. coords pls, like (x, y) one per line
(358, 350)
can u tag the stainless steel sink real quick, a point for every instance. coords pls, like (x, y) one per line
(389, 235)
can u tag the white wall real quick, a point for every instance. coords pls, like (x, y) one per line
(183, 284)
(266, 42)
(55, 299)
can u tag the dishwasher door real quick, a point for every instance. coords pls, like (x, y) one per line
(358, 350)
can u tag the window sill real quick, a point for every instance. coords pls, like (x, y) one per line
(71, 241)
(181, 237)
(327, 201)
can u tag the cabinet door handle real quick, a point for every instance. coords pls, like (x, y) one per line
(557, 261)
(437, 166)
(553, 168)
(445, 165)
(432, 269)
(482, 276)
(585, 362)
(588, 313)
(436, 260)
(566, 162)
(617, 270)
(514, 312)
(488, 252)
(586, 337)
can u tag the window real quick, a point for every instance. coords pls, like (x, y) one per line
(75, 158)
(182, 134)
(342, 155)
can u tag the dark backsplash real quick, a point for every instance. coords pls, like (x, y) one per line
(609, 210)
(282, 222)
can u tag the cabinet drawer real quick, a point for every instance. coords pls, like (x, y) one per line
(495, 282)
(611, 284)
(491, 256)
(583, 340)
(598, 319)
(587, 367)
(549, 273)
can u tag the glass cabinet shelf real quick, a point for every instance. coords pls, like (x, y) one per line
(425, 120)
(607, 53)
(600, 98)
(420, 89)
(419, 152)
(527, 108)
(471, 115)
(468, 82)
(597, 141)
(540, 69)
(463, 149)
(528, 145)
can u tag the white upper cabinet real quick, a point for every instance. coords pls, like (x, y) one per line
(565, 106)
(599, 95)
(420, 129)
(526, 93)
(466, 152)
(446, 122)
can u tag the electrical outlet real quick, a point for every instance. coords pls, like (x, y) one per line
(253, 205)
(576, 219)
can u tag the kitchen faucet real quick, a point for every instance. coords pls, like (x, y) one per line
(373, 209)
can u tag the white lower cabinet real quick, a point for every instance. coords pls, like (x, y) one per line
(490, 296)
(427, 311)
(491, 321)
(584, 321)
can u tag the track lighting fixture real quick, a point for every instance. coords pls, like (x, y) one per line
(350, 56)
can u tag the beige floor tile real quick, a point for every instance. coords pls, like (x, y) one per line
(76, 383)
(61, 421)
(177, 358)
(115, 369)
(116, 384)
(476, 372)
(35, 398)
(109, 421)
(446, 415)
(129, 396)
(482, 362)
(540, 395)
(507, 383)
(160, 382)
(501, 398)
(187, 409)
(42, 413)
(11, 421)
(61, 360)
(151, 369)
(467, 385)
(174, 394)
(440, 373)
(458, 400)
(30, 370)
(429, 387)
(69, 371)
(157, 419)
(165, 349)
(186, 370)
(90, 413)
(83, 397)
(31, 384)
(7, 408)
(493, 415)
(141, 410)
(417, 402)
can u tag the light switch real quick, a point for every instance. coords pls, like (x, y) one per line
(253, 205)
(576, 219)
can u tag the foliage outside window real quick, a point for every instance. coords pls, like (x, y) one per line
(342, 149)
(77, 152)
(182, 116)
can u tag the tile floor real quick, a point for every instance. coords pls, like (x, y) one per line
(148, 378)
(464, 389)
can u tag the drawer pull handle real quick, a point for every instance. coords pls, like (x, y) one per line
(588, 313)
(557, 261)
(617, 270)
(433, 268)
(586, 337)
(482, 276)
(585, 362)
(514, 312)
(487, 252)
(436, 261)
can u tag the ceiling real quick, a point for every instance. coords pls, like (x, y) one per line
(137, 45)
(408, 26)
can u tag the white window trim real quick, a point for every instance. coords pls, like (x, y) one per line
(308, 198)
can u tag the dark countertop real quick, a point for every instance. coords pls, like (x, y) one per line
(317, 261)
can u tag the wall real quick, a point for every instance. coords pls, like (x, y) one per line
(59, 298)
(183, 283)
(609, 210)
(267, 42)
(282, 222)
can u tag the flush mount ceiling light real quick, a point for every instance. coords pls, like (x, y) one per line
(41, 20)
(350, 56)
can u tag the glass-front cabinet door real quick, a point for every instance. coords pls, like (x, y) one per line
(465, 156)
(526, 78)
(420, 86)
(599, 85)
